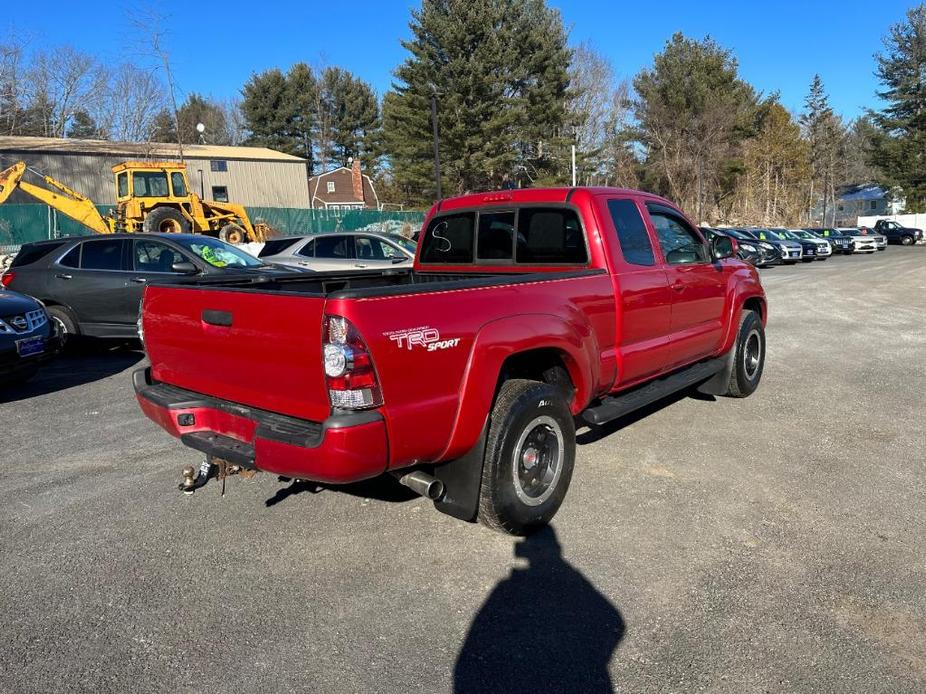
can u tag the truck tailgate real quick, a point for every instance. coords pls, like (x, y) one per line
(262, 350)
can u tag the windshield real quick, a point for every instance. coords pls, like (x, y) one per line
(769, 235)
(405, 243)
(741, 235)
(218, 253)
(799, 233)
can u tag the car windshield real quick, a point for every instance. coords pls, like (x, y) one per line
(801, 234)
(218, 253)
(405, 243)
(769, 235)
(740, 235)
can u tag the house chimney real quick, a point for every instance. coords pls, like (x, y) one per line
(356, 179)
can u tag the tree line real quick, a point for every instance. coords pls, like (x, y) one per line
(513, 98)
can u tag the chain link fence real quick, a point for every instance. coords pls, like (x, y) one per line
(21, 224)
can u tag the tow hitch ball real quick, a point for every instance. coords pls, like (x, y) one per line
(193, 479)
(211, 467)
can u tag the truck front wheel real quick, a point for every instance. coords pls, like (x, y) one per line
(529, 457)
(748, 356)
(907, 240)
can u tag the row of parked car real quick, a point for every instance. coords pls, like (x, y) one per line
(764, 247)
(92, 286)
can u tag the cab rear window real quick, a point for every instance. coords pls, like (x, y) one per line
(526, 235)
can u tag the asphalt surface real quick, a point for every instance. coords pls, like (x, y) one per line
(773, 544)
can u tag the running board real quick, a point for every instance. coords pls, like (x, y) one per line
(619, 405)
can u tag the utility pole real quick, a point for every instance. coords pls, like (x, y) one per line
(573, 166)
(436, 142)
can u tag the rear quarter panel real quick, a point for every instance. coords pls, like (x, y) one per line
(437, 395)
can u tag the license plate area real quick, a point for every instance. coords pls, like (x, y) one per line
(30, 346)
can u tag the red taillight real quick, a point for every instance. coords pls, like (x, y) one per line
(349, 372)
(6, 279)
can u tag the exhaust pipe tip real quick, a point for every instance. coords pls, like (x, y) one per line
(423, 484)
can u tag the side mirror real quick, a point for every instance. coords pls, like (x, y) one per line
(184, 268)
(723, 247)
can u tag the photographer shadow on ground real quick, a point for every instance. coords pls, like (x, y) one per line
(545, 628)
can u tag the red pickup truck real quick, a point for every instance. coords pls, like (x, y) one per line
(463, 375)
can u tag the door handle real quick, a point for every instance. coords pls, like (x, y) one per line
(62, 276)
(678, 286)
(139, 280)
(359, 265)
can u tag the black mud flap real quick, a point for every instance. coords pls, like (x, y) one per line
(462, 480)
(717, 384)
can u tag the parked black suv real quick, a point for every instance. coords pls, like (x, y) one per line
(92, 285)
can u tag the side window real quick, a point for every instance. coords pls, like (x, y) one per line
(122, 184)
(71, 258)
(449, 239)
(178, 184)
(308, 250)
(334, 247)
(496, 236)
(151, 256)
(550, 236)
(631, 232)
(368, 249)
(102, 255)
(679, 242)
(390, 251)
(220, 193)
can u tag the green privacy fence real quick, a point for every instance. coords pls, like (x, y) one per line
(21, 224)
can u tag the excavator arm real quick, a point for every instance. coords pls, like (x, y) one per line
(68, 202)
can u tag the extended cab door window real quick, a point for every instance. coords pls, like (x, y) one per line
(632, 235)
(680, 244)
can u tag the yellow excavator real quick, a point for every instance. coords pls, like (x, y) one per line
(150, 196)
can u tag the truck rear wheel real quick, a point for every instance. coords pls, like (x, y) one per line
(748, 357)
(166, 220)
(529, 457)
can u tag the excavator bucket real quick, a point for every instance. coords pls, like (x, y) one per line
(9, 179)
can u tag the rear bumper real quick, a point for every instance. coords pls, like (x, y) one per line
(344, 448)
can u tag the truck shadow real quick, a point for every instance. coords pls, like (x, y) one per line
(595, 433)
(92, 362)
(545, 628)
(383, 488)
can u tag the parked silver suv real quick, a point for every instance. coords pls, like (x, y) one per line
(341, 250)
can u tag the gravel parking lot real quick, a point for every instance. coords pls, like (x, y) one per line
(773, 544)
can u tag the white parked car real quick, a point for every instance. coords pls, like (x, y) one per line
(340, 250)
(861, 243)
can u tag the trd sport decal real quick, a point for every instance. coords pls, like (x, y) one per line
(425, 336)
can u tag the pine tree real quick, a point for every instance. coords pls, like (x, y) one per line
(82, 126)
(824, 132)
(899, 147)
(266, 106)
(498, 70)
(163, 127)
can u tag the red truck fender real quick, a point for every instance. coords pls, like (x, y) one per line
(498, 340)
(747, 293)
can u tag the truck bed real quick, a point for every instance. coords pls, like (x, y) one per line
(343, 285)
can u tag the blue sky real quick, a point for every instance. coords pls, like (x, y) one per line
(779, 45)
